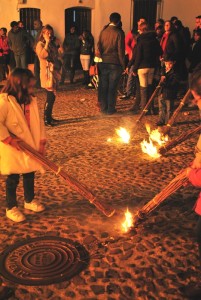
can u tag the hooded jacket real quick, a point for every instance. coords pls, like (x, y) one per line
(147, 51)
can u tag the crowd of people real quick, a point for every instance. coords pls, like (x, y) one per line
(157, 56)
(150, 54)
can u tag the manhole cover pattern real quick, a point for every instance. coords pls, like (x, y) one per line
(43, 260)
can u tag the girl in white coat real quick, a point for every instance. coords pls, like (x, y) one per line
(19, 116)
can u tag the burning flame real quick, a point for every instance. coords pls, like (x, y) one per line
(123, 134)
(154, 136)
(128, 223)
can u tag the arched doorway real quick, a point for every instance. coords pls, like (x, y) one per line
(80, 16)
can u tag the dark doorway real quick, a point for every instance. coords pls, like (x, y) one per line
(146, 9)
(27, 16)
(79, 16)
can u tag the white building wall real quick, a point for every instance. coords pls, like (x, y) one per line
(53, 12)
(103, 9)
(185, 10)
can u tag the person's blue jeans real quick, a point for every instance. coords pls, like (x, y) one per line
(12, 182)
(20, 61)
(110, 75)
(166, 108)
(130, 81)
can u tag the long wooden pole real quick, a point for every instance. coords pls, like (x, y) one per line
(146, 108)
(180, 180)
(75, 184)
(166, 129)
(183, 137)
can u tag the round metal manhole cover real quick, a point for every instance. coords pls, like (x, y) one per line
(43, 260)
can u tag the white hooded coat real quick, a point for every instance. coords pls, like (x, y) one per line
(12, 120)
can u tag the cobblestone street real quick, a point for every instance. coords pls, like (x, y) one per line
(150, 263)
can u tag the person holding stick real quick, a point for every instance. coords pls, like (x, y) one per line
(194, 176)
(169, 85)
(20, 121)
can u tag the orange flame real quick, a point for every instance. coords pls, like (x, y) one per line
(123, 134)
(156, 137)
(128, 223)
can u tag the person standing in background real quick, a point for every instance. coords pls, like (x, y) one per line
(50, 67)
(111, 46)
(18, 40)
(86, 53)
(71, 46)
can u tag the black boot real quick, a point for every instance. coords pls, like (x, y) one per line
(86, 78)
(72, 75)
(48, 109)
(143, 96)
(150, 92)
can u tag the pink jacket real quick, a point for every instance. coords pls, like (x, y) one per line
(194, 177)
(4, 45)
(130, 42)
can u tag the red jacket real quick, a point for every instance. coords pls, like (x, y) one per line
(4, 45)
(130, 42)
(194, 177)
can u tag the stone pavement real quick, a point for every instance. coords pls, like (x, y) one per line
(150, 263)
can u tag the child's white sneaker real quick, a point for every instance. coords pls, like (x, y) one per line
(15, 214)
(34, 205)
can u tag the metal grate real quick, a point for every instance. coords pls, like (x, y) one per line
(27, 16)
(145, 9)
(79, 16)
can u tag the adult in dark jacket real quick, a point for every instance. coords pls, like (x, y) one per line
(146, 59)
(86, 53)
(71, 47)
(18, 40)
(172, 46)
(195, 51)
(111, 46)
(38, 26)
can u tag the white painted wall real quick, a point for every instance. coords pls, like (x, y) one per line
(103, 9)
(185, 10)
(53, 12)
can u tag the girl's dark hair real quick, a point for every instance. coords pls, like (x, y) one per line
(17, 85)
(4, 30)
(46, 27)
(195, 83)
(171, 25)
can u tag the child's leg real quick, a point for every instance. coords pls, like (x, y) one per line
(162, 109)
(30, 203)
(11, 186)
(28, 184)
(168, 106)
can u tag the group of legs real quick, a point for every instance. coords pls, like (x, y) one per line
(144, 88)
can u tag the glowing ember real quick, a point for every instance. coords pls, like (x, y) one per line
(128, 223)
(156, 137)
(123, 134)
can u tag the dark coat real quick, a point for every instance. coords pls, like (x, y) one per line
(195, 56)
(71, 44)
(147, 52)
(87, 46)
(111, 45)
(170, 86)
(173, 46)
